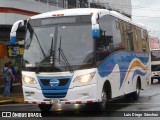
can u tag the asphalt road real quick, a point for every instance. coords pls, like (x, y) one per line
(119, 109)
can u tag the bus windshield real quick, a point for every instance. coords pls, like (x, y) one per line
(57, 43)
(155, 55)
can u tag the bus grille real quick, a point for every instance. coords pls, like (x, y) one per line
(54, 91)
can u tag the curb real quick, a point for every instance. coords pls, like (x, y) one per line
(2, 102)
(12, 100)
(19, 100)
(16, 95)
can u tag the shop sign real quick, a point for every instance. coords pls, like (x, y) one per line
(15, 50)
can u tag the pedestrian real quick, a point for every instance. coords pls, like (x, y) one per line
(6, 77)
(14, 74)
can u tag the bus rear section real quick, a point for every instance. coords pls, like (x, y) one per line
(155, 65)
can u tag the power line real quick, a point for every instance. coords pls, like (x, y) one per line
(81, 3)
(146, 16)
(129, 7)
(104, 4)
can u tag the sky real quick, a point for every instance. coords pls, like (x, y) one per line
(147, 12)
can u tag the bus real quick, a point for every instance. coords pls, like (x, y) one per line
(82, 56)
(155, 64)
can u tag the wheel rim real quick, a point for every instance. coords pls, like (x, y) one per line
(137, 89)
(104, 97)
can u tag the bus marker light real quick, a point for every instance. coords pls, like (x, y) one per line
(43, 103)
(26, 102)
(89, 102)
(34, 102)
(67, 102)
(78, 102)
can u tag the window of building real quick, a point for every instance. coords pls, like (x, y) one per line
(52, 2)
(72, 3)
(43, 1)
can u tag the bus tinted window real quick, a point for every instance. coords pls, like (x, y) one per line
(60, 20)
(155, 55)
(110, 39)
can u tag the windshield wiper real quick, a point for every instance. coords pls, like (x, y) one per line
(61, 53)
(50, 57)
(31, 30)
(49, 54)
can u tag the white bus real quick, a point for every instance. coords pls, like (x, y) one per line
(155, 64)
(87, 55)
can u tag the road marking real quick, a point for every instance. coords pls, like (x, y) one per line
(135, 103)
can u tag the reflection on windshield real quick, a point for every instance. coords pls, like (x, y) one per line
(34, 53)
(76, 44)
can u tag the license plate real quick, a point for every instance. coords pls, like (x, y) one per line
(52, 101)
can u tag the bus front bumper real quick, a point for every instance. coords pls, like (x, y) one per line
(76, 95)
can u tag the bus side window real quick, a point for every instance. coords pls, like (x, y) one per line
(145, 46)
(104, 46)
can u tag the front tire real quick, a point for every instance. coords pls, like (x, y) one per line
(135, 95)
(45, 108)
(151, 80)
(104, 99)
(106, 96)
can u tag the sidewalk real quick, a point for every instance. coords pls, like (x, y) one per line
(16, 95)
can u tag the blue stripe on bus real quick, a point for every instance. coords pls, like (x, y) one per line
(138, 72)
(54, 93)
(12, 40)
(123, 59)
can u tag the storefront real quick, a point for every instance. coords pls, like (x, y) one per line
(10, 12)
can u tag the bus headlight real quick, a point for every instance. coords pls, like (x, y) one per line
(28, 80)
(84, 78)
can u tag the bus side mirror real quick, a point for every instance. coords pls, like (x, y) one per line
(95, 31)
(14, 30)
(13, 38)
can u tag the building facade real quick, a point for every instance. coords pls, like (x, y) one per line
(154, 43)
(14, 10)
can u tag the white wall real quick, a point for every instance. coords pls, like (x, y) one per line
(31, 5)
(27, 5)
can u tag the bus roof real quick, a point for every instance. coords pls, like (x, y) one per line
(68, 12)
(84, 11)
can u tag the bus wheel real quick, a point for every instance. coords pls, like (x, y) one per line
(46, 107)
(104, 99)
(135, 95)
(151, 80)
(106, 96)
